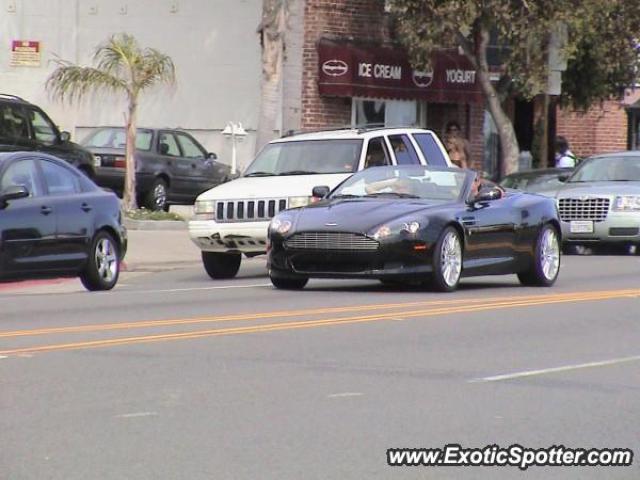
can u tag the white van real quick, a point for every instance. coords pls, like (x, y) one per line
(232, 219)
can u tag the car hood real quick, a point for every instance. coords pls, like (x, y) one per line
(356, 215)
(599, 189)
(272, 187)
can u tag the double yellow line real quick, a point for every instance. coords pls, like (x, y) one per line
(381, 312)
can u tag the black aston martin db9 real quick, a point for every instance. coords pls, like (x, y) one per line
(408, 223)
(55, 222)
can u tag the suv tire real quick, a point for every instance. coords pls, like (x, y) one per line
(156, 198)
(221, 265)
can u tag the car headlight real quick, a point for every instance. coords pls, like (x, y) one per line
(280, 225)
(625, 203)
(204, 209)
(295, 202)
(397, 228)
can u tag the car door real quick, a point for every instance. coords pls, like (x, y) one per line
(27, 225)
(178, 167)
(203, 173)
(74, 213)
(490, 230)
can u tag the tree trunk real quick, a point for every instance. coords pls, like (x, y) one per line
(130, 199)
(272, 30)
(506, 133)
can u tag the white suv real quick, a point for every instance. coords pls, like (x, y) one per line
(233, 218)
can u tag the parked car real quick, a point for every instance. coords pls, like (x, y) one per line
(600, 201)
(171, 166)
(416, 223)
(55, 222)
(232, 219)
(26, 127)
(537, 181)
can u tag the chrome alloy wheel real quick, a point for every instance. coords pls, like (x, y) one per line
(550, 254)
(451, 259)
(106, 260)
(160, 195)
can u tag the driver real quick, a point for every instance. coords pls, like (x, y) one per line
(479, 184)
(400, 185)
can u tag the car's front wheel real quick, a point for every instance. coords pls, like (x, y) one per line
(156, 198)
(221, 265)
(103, 265)
(545, 264)
(285, 283)
(447, 261)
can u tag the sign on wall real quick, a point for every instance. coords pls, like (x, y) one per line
(25, 53)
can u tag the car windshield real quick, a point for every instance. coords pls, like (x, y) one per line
(306, 157)
(416, 182)
(117, 138)
(531, 182)
(608, 169)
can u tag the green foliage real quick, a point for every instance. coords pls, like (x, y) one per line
(144, 214)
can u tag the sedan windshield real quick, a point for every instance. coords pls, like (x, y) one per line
(416, 182)
(117, 138)
(608, 169)
(305, 157)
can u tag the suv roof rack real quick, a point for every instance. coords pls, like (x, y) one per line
(291, 133)
(12, 97)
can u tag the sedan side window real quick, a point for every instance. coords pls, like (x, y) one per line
(377, 154)
(167, 145)
(59, 180)
(22, 173)
(189, 148)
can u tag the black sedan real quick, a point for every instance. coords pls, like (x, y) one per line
(171, 166)
(56, 222)
(416, 223)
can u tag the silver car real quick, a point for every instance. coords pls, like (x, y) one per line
(600, 201)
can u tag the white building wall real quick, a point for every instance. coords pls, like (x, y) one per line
(213, 44)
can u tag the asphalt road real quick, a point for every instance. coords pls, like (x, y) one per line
(174, 376)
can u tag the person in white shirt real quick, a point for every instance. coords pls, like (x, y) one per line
(564, 157)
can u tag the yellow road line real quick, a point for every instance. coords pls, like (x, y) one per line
(316, 323)
(292, 313)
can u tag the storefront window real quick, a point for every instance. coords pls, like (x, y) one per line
(386, 113)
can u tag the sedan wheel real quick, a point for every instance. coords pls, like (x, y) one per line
(103, 265)
(545, 264)
(447, 261)
(288, 283)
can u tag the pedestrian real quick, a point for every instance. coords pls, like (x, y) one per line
(457, 145)
(564, 157)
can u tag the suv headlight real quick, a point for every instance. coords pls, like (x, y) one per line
(295, 202)
(410, 228)
(626, 203)
(280, 225)
(204, 209)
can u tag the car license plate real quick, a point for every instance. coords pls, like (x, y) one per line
(581, 226)
(97, 161)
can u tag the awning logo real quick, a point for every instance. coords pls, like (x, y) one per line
(335, 68)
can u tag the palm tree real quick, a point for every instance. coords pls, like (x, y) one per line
(121, 66)
(272, 29)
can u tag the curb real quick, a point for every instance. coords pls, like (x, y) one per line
(131, 224)
(156, 266)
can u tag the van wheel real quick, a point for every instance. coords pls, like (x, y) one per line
(156, 198)
(103, 265)
(221, 265)
(545, 264)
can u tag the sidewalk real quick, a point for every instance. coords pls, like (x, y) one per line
(157, 250)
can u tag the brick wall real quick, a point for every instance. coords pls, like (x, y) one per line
(353, 19)
(601, 129)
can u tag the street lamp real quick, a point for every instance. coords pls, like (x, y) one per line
(236, 133)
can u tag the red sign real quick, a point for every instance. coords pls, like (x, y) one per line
(25, 53)
(347, 69)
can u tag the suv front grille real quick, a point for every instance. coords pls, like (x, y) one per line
(254, 210)
(337, 241)
(595, 208)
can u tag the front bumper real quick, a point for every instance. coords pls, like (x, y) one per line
(244, 237)
(618, 227)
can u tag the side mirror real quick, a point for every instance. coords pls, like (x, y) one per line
(563, 177)
(320, 192)
(212, 156)
(13, 193)
(487, 195)
(65, 137)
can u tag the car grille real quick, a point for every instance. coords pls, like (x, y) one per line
(254, 210)
(595, 208)
(336, 241)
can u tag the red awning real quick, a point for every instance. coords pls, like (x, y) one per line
(348, 69)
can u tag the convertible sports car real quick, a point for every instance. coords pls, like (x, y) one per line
(408, 223)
